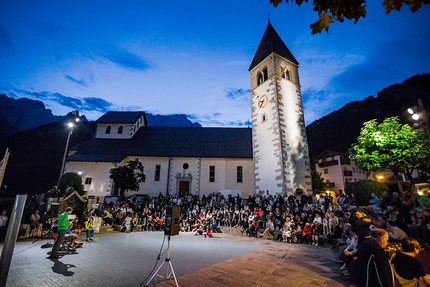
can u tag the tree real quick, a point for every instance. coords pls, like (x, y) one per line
(391, 145)
(73, 181)
(128, 177)
(317, 182)
(363, 190)
(330, 11)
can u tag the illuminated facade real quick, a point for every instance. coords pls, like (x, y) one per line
(280, 148)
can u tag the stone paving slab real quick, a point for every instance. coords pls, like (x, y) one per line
(119, 259)
(277, 264)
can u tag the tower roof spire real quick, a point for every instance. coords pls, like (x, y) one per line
(271, 43)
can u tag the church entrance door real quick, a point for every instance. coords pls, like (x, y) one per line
(184, 188)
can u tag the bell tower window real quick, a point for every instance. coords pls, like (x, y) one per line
(108, 128)
(262, 76)
(285, 73)
(120, 128)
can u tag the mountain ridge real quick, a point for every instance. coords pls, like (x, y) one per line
(36, 152)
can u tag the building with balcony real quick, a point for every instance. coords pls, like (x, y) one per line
(337, 170)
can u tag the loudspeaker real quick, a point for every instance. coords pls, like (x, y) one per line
(172, 220)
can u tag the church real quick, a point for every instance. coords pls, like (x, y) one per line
(270, 158)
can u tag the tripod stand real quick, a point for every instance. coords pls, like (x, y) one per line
(169, 270)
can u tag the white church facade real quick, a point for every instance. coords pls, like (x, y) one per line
(271, 158)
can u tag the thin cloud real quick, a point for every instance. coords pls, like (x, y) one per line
(97, 104)
(238, 93)
(91, 104)
(79, 82)
(124, 59)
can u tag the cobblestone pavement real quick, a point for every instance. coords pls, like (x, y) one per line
(118, 259)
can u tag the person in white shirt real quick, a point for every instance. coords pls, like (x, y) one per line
(394, 232)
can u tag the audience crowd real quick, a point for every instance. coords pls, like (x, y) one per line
(299, 219)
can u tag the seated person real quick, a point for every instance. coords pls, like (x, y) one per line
(136, 221)
(307, 233)
(347, 253)
(34, 220)
(334, 233)
(150, 223)
(88, 225)
(395, 233)
(107, 217)
(185, 226)
(317, 231)
(126, 224)
(407, 269)
(159, 223)
(297, 232)
(270, 229)
(199, 229)
(72, 237)
(287, 235)
(253, 228)
(208, 232)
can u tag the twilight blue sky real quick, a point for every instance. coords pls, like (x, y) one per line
(192, 57)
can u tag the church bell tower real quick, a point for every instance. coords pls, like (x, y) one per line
(280, 146)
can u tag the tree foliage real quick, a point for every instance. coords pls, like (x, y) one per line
(364, 188)
(330, 11)
(317, 182)
(128, 177)
(390, 145)
(72, 180)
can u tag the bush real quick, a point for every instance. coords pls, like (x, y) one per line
(363, 189)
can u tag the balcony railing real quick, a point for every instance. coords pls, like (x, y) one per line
(329, 185)
(347, 173)
(327, 163)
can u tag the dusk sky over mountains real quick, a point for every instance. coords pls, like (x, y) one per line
(192, 57)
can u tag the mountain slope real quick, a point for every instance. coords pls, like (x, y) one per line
(339, 129)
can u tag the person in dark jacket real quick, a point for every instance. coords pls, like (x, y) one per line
(373, 268)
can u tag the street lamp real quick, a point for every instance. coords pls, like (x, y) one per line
(76, 118)
(420, 117)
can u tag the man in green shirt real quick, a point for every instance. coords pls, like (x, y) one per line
(63, 225)
(107, 217)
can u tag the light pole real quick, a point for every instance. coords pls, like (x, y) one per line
(71, 125)
(419, 115)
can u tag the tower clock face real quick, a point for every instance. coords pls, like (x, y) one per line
(262, 101)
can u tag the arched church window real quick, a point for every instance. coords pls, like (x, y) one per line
(120, 128)
(108, 128)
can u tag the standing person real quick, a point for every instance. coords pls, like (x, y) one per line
(361, 225)
(408, 269)
(373, 268)
(89, 229)
(63, 225)
(3, 224)
(34, 220)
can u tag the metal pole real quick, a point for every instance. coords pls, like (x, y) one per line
(64, 156)
(11, 236)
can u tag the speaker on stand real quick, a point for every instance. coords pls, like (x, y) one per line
(173, 214)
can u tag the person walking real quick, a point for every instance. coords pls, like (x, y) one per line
(63, 225)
